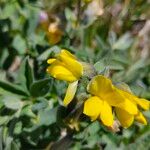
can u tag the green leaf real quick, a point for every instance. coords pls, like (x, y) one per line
(123, 43)
(4, 133)
(92, 140)
(48, 117)
(141, 142)
(14, 146)
(12, 88)
(3, 120)
(99, 66)
(46, 54)
(10, 144)
(133, 71)
(70, 16)
(1, 138)
(12, 102)
(3, 57)
(26, 74)
(94, 128)
(27, 111)
(8, 10)
(115, 66)
(19, 44)
(18, 128)
(120, 57)
(41, 104)
(29, 74)
(40, 88)
(141, 63)
(108, 141)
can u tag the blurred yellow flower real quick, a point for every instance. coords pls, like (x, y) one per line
(54, 33)
(105, 96)
(87, 1)
(66, 67)
(51, 25)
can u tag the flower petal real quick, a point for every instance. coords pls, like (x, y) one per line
(67, 54)
(143, 103)
(70, 93)
(71, 63)
(51, 60)
(127, 104)
(140, 118)
(92, 107)
(106, 114)
(65, 67)
(100, 86)
(124, 117)
(58, 71)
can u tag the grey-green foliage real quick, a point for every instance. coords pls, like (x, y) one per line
(113, 42)
(142, 142)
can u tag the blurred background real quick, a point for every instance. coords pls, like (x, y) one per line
(113, 35)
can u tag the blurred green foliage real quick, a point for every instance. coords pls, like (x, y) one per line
(114, 37)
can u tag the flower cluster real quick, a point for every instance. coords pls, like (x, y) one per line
(106, 96)
(107, 102)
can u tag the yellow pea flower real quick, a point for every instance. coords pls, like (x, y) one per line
(105, 96)
(66, 67)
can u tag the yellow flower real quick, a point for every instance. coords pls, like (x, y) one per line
(87, 1)
(66, 67)
(51, 25)
(54, 33)
(105, 96)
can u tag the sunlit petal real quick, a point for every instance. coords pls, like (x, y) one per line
(67, 54)
(100, 86)
(143, 103)
(140, 118)
(127, 104)
(70, 93)
(51, 60)
(61, 73)
(65, 67)
(124, 117)
(106, 114)
(93, 107)
(71, 64)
